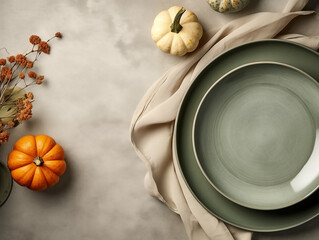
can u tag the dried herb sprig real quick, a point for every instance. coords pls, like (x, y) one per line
(15, 77)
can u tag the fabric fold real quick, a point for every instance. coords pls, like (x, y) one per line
(152, 124)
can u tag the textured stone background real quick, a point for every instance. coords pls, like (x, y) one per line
(96, 76)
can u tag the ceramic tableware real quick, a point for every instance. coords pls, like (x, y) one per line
(255, 135)
(280, 51)
(5, 183)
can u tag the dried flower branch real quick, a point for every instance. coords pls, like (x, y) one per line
(15, 77)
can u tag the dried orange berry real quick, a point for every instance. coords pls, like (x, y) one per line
(34, 39)
(30, 95)
(32, 74)
(11, 59)
(40, 77)
(58, 35)
(39, 82)
(44, 47)
(3, 61)
(9, 74)
(4, 136)
(29, 64)
(21, 75)
(21, 59)
(5, 73)
(11, 124)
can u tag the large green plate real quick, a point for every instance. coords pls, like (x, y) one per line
(280, 51)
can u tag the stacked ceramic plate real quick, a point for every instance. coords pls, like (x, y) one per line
(5, 183)
(246, 136)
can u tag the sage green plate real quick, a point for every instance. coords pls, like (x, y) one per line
(5, 183)
(255, 132)
(218, 205)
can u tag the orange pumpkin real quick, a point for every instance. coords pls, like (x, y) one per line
(36, 162)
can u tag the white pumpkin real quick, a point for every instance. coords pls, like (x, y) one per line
(225, 6)
(176, 31)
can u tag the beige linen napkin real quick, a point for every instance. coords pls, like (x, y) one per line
(153, 121)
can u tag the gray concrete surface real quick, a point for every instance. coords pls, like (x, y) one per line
(96, 76)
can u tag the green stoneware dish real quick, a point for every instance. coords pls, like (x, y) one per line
(280, 51)
(254, 135)
(5, 183)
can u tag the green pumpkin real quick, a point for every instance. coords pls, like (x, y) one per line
(226, 6)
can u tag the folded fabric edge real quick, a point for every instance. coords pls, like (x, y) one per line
(307, 41)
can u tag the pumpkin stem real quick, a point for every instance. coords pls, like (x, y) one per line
(38, 161)
(176, 27)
